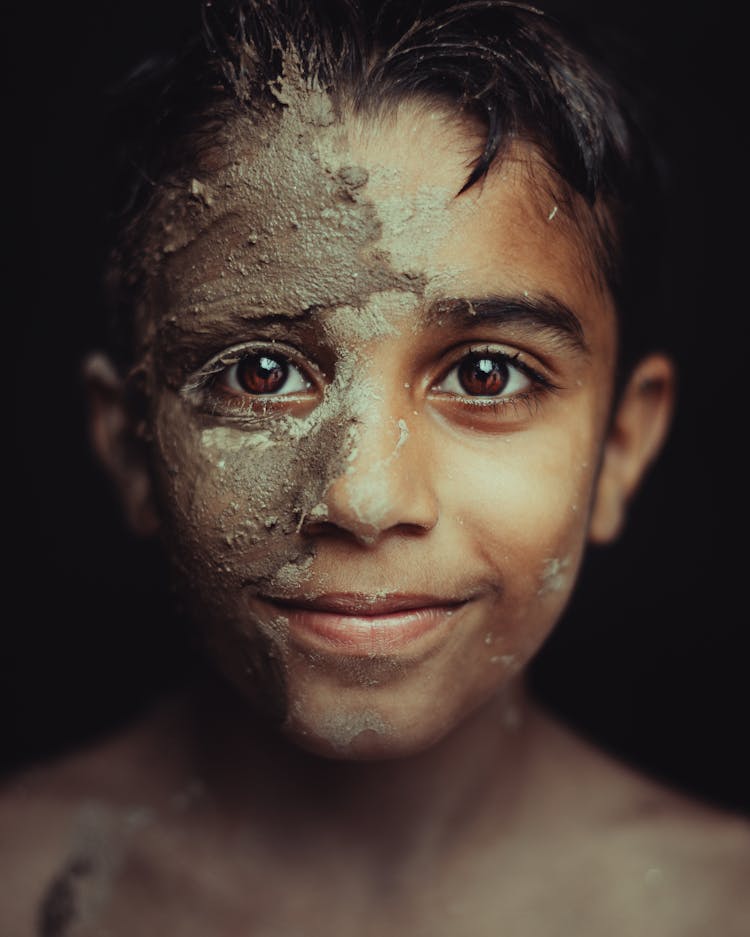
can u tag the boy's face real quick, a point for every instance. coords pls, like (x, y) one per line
(378, 416)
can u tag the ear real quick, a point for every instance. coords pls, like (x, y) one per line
(117, 442)
(635, 437)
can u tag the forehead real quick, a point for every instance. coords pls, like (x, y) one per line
(512, 226)
(303, 211)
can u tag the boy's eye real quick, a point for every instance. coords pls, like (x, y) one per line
(482, 374)
(262, 374)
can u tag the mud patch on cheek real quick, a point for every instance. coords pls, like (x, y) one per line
(556, 576)
(509, 661)
(222, 439)
(233, 497)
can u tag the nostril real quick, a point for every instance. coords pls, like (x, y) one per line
(362, 533)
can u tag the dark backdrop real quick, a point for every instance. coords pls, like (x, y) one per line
(651, 657)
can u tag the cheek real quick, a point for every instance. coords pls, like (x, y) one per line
(232, 500)
(522, 510)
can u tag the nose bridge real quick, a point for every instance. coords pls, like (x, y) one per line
(385, 482)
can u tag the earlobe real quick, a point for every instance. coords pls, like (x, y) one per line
(113, 431)
(636, 435)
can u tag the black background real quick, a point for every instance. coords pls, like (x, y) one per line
(651, 657)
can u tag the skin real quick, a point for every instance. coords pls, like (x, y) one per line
(412, 789)
(343, 486)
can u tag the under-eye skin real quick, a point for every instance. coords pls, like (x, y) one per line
(486, 379)
(254, 379)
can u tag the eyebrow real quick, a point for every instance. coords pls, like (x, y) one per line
(542, 312)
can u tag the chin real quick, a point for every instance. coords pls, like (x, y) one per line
(370, 733)
(365, 744)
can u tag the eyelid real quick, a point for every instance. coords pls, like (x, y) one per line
(234, 354)
(515, 375)
(229, 382)
(513, 357)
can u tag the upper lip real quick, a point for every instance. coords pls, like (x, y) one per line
(361, 604)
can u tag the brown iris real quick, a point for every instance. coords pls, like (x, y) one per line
(483, 376)
(261, 374)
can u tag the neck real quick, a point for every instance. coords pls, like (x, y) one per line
(251, 772)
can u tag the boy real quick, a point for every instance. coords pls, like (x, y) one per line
(375, 396)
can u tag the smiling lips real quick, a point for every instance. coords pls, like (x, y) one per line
(358, 625)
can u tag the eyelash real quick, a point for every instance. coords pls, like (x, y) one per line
(530, 399)
(215, 401)
(205, 381)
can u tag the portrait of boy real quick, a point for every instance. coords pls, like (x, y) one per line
(381, 365)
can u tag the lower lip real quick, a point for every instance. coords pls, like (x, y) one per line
(367, 635)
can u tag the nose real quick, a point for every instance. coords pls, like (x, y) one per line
(386, 484)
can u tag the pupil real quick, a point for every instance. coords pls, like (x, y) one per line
(259, 374)
(483, 377)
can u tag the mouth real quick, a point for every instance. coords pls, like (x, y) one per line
(360, 625)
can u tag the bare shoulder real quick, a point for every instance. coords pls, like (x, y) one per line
(58, 820)
(681, 864)
(698, 861)
(701, 860)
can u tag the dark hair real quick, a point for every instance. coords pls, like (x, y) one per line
(524, 74)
